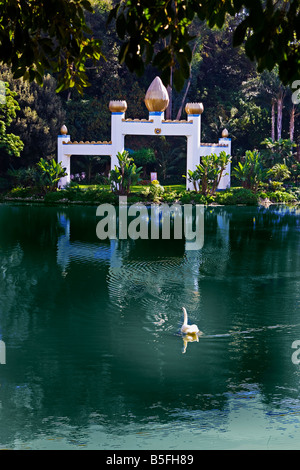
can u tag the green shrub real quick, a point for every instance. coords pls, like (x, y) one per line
(21, 192)
(186, 197)
(90, 195)
(237, 196)
(281, 196)
(24, 177)
(106, 196)
(73, 193)
(279, 172)
(134, 199)
(155, 191)
(170, 197)
(295, 192)
(76, 194)
(262, 195)
(201, 199)
(276, 186)
(54, 196)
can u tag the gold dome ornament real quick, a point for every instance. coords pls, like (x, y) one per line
(225, 133)
(117, 106)
(157, 97)
(194, 108)
(63, 130)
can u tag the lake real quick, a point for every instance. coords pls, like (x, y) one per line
(94, 358)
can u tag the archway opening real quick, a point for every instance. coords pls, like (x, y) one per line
(90, 169)
(165, 155)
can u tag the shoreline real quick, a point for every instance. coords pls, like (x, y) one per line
(65, 201)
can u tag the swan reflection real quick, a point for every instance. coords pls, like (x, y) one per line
(189, 338)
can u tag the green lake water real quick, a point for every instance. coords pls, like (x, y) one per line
(94, 358)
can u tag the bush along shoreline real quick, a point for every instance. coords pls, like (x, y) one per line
(40, 184)
(153, 194)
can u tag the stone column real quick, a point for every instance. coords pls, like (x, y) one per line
(225, 180)
(62, 158)
(194, 111)
(117, 109)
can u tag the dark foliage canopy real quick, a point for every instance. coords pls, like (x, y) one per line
(270, 30)
(39, 36)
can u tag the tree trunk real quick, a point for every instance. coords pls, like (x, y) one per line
(170, 93)
(279, 113)
(273, 121)
(183, 100)
(292, 123)
(186, 90)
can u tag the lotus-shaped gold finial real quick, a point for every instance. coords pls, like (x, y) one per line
(157, 98)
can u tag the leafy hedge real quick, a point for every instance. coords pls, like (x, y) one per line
(231, 196)
(82, 195)
(237, 196)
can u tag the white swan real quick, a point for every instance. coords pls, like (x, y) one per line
(188, 329)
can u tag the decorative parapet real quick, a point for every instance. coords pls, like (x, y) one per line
(177, 121)
(93, 142)
(213, 145)
(137, 120)
(164, 121)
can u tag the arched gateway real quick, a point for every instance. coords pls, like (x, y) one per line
(156, 101)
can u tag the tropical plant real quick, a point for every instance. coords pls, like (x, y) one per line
(278, 151)
(279, 172)
(26, 177)
(250, 172)
(125, 175)
(51, 172)
(209, 172)
(219, 163)
(206, 173)
(295, 172)
(194, 178)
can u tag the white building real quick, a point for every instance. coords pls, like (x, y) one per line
(156, 101)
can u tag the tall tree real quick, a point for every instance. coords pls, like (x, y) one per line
(270, 93)
(39, 117)
(10, 144)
